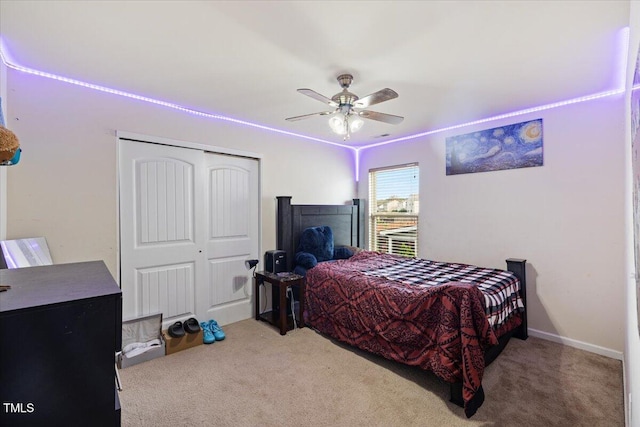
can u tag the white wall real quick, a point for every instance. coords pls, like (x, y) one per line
(565, 218)
(632, 336)
(65, 185)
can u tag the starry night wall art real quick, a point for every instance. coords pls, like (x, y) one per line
(507, 147)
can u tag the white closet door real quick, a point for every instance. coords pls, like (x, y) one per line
(188, 221)
(161, 230)
(232, 236)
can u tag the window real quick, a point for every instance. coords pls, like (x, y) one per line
(393, 209)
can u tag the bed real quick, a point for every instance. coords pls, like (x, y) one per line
(434, 315)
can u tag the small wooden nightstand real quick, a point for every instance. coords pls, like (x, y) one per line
(280, 282)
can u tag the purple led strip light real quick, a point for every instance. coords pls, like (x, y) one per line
(623, 36)
(178, 107)
(623, 51)
(501, 116)
(623, 48)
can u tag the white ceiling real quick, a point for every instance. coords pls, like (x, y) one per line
(451, 62)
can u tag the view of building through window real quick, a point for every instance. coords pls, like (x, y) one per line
(393, 209)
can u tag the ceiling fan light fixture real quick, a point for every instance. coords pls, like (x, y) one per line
(345, 124)
(355, 123)
(338, 124)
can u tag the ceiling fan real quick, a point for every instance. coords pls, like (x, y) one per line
(349, 108)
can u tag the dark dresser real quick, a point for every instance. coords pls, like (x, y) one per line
(60, 326)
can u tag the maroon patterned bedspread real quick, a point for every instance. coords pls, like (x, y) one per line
(443, 329)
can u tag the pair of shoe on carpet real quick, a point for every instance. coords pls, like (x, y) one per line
(189, 326)
(212, 332)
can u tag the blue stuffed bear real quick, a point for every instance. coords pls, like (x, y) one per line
(316, 245)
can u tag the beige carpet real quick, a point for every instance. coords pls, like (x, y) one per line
(258, 378)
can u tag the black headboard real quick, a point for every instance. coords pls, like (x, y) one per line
(346, 222)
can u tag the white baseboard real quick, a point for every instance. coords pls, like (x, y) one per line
(603, 351)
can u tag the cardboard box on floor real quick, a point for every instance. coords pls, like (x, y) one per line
(173, 345)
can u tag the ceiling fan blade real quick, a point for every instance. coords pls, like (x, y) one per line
(376, 98)
(315, 95)
(381, 117)
(306, 116)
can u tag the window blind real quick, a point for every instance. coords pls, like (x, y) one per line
(394, 205)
